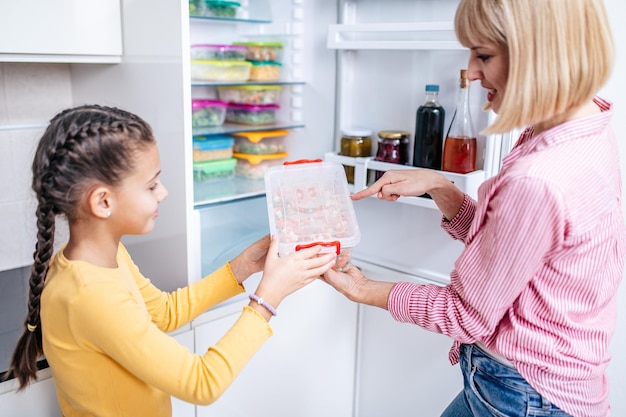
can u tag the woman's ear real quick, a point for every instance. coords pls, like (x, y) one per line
(99, 202)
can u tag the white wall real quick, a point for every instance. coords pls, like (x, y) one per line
(615, 91)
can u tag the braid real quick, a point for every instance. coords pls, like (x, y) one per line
(81, 146)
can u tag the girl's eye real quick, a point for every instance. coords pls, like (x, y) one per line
(483, 58)
(154, 186)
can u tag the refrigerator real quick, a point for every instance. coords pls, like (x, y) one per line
(346, 64)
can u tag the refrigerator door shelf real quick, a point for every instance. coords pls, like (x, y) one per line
(468, 183)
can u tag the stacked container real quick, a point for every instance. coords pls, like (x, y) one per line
(213, 157)
(256, 152)
(213, 62)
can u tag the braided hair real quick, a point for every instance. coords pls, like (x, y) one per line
(82, 146)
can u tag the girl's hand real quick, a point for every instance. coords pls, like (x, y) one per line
(251, 260)
(396, 183)
(285, 275)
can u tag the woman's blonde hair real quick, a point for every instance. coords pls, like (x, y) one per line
(560, 53)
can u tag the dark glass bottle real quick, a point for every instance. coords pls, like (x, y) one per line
(429, 125)
(459, 149)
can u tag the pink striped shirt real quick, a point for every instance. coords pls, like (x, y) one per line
(544, 254)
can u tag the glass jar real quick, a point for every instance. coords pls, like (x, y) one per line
(355, 143)
(393, 147)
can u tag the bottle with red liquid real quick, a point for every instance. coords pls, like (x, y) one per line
(459, 148)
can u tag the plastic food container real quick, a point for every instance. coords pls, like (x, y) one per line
(308, 204)
(219, 8)
(251, 115)
(264, 71)
(263, 51)
(211, 70)
(214, 170)
(212, 148)
(214, 52)
(260, 143)
(250, 94)
(253, 167)
(207, 113)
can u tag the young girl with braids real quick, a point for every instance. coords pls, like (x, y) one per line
(101, 324)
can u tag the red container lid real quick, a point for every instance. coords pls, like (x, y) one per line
(200, 103)
(253, 107)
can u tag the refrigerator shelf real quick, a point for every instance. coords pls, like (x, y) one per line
(228, 128)
(393, 36)
(213, 192)
(468, 183)
(230, 83)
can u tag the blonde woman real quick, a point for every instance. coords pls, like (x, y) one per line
(531, 303)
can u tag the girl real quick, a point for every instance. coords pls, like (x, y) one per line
(531, 302)
(102, 325)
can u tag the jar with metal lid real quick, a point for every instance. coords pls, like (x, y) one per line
(356, 143)
(393, 147)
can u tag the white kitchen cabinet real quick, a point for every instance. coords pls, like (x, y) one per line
(306, 369)
(60, 31)
(182, 408)
(402, 369)
(38, 400)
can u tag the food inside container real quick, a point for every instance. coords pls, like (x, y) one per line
(260, 143)
(207, 113)
(308, 204)
(210, 148)
(251, 115)
(250, 94)
(264, 71)
(211, 70)
(214, 170)
(263, 51)
(253, 167)
(219, 8)
(212, 52)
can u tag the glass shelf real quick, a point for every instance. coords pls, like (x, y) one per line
(224, 83)
(209, 193)
(229, 128)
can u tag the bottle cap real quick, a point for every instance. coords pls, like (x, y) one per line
(393, 134)
(432, 87)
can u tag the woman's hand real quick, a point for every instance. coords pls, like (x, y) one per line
(251, 260)
(396, 183)
(415, 182)
(285, 275)
(358, 288)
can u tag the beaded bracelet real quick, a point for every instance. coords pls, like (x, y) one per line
(262, 303)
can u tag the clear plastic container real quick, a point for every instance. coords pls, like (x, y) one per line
(308, 204)
(251, 115)
(213, 52)
(253, 167)
(210, 148)
(260, 143)
(211, 70)
(263, 51)
(214, 170)
(219, 8)
(264, 71)
(207, 113)
(250, 94)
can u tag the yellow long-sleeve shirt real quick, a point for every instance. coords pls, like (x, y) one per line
(104, 339)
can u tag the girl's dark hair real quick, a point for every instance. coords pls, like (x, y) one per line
(82, 147)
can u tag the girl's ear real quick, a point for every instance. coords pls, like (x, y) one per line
(99, 202)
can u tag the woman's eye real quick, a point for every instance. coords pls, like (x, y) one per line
(483, 58)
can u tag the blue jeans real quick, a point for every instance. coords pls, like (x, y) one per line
(493, 389)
